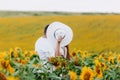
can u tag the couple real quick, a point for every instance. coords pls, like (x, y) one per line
(55, 41)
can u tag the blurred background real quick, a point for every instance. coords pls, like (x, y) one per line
(95, 23)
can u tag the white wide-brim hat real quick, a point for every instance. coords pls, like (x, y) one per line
(57, 29)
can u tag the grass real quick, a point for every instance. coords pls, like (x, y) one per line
(91, 32)
(33, 13)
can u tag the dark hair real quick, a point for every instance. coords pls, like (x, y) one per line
(45, 29)
(68, 53)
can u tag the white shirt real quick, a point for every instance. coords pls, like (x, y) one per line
(44, 48)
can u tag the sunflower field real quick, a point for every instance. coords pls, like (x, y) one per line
(94, 50)
(17, 64)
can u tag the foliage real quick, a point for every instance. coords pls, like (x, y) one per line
(82, 65)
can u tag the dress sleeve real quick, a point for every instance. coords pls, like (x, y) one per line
(44, 55)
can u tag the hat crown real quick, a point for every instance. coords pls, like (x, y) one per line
(59, 32)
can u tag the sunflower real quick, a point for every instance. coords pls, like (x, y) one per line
(18, 49)
(23, 62)
(110, 53)
(73, 75)
(57, 64)
(87, 74)
(15, 54)
(111, 59)
(18, 60)
(83, 54)
(12, 78)
(118, 59)
(31, 53)
(11, 53)
(76, 61)
(98, 69)
(11, 50)
(2, 55)
(5, 64)
(103, 65)
(51, 59)
(73, 54)
(2, 77)
(64, 63)
(100, 56)
(10, 69)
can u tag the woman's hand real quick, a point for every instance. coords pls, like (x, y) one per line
(60, 39)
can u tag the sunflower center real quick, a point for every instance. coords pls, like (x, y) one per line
(87, 76)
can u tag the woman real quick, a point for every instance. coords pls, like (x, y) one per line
(62, 51)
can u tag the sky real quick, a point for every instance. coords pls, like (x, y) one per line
(62, 5)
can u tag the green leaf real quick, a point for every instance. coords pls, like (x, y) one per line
(53, 76)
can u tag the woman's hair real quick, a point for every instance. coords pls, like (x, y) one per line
(45, 29)
(68, 53)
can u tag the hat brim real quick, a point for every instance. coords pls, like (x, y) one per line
(62, 29)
